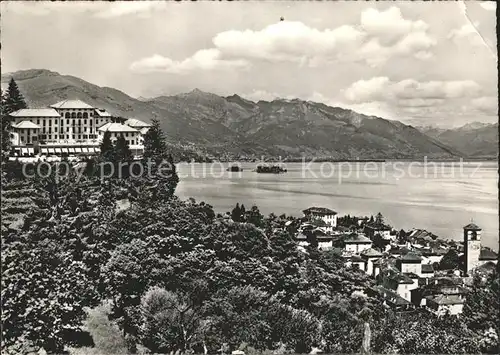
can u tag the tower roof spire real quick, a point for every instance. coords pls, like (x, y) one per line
(472, 226)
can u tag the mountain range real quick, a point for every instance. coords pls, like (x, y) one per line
(234, 127)
(476, 139)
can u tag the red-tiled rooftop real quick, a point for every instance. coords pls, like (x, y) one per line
(399, 278)
(392, 296)
(487, 254)
(445, 299)
(411, 257)
(372, 253)
(427, 269)
(355, 238)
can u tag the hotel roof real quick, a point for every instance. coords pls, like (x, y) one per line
(102, 113)
(319, 210)
(71, 104)
(26, 124)
(134, 122)
(36, 112)
(116, 127)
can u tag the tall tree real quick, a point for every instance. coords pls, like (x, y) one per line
(253, 216)
(379, 219)
(154, 142)
(107, 150)
(122, 150)
(14, 100)
(163, 167)
(170, 321)
(5, 122)
(450, 261)
(242, 213)
(236, 213)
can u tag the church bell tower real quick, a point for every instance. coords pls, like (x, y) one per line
(472, 246)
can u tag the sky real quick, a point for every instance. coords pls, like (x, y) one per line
(423, 63)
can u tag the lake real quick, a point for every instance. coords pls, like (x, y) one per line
(440, 197)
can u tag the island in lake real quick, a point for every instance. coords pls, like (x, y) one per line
(270, 169)
(234, 168)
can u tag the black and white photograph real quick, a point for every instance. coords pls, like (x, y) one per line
(249, 177)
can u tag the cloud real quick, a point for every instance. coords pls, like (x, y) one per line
(486, 104)
(489, 5)
(467, 33)
(205, 59)
(381, 36)
(123, 8)
(389, 25)
(46, 8)
(409, 90)
(420, 102)
(286, 41)
(367, 90)
(258, 95)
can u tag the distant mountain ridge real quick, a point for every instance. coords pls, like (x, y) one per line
(234, 126)
(475, 139)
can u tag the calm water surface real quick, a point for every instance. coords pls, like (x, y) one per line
(440, 198)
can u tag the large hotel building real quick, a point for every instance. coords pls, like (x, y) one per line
(72, 128)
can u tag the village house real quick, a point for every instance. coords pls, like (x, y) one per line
(393, 299)
(362, 221)
(427, 271)
(400, 283)
(432, 255)
(328, 216)
(410, 263)
(379, 229)
(377, 265)
(487, 256)
(355, 243)
(308, 233)
(421, 237)
(355, 261)
(370, 256)
(442, 295)
(445, 304)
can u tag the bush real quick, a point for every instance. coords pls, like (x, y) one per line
(108, 338)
